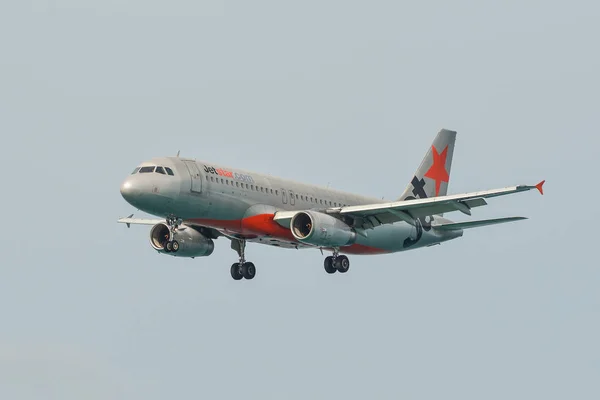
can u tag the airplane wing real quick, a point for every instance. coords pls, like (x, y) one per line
(208, 232)
(371, 215)
(139, 221)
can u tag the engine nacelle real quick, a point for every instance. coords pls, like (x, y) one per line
(191, 242)
(321, 229)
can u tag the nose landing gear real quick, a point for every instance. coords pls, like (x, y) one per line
(241, 269)
(171, 245)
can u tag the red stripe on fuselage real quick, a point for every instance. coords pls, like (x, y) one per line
(256, 225)
(264, 225)
(261, 225)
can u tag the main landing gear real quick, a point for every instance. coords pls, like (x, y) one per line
(336, 262)
(241, 269)
(171, 245)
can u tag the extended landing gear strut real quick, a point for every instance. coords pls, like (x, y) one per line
(171, 245)
(241, 269)
(336, 262)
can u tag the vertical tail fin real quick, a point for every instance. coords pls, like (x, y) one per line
(432, 177)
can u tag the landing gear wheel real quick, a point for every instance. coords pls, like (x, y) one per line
(175, 246)
(328, 264)
(168, 246)
(241, 269)
(342, 264)
(248, 270)
(236, 272)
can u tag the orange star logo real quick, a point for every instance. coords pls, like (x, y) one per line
(438, 172)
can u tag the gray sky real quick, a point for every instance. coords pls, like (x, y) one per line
(345, 92)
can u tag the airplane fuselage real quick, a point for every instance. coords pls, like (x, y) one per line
(242, 204)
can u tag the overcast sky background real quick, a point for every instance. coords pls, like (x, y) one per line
(346, 92)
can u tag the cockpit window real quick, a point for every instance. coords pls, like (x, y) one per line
(135, 170)
(169, 171)
(144, 170)
(160, 170)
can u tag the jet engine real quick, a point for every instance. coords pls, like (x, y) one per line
(190, 242)
(321, 229)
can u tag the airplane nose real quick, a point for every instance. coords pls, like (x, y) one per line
(129, 190)
(145, 193)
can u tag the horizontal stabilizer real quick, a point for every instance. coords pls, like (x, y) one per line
(454, 226)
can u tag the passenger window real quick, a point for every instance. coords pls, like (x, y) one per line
(222, 181)
(321, 201)
(135, 170)
(271, 191)
(251, 187)
(301, 197)
(296, 195)
(160, 170)
(169, 171)
(145, 170)
(276, 192)
(247, 186)
(262, 189)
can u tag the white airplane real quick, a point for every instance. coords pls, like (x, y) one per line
(199, 202)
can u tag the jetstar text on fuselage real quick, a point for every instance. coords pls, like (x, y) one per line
(228, 174)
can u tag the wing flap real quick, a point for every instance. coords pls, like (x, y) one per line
(476, 202)
(455, 226)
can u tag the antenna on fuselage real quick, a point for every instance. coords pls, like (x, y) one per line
(178, 151)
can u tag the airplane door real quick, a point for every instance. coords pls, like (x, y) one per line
(283, 196)
(292, 198)
(195, 176)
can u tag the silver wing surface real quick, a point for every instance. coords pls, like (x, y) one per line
(371, 215)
